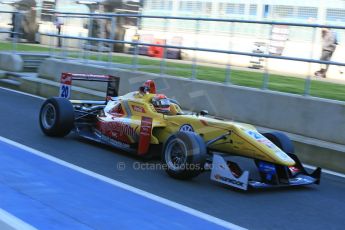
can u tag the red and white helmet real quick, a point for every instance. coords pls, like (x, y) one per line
(161, 103)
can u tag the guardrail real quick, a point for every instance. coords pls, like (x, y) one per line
(194, 48)
(109, 15)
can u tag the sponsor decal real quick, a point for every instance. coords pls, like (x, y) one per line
(228, 180)
(145, 135)
(257, 183)
(262, 139)
(65, 91)
(90, 76)
(138, 109)
(267, 142)
(118, 143)
(65, 87)
(186, 128)
(117, 130)
(294, 170)
(254, 134)
(281, 154)
(112, 141)
(299, 180)
(66, 79)
(268, 169)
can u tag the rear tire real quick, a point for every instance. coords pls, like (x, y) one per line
(56, 117)
(184, 155)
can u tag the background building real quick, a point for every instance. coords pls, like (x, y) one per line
(280, 40)
(330, 12)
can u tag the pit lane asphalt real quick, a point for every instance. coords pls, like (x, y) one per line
(311, 207)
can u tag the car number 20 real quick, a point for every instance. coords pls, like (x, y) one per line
(65, 91)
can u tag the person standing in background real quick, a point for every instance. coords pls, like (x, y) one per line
(58, 23)
(329, 44)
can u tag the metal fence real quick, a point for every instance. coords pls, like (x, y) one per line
(193, 46)
(12, 28)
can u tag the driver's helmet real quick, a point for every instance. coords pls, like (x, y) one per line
(161, 103)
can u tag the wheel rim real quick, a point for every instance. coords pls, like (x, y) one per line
(48, 116)
(176, 155)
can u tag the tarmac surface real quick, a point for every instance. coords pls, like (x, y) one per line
(311, 207)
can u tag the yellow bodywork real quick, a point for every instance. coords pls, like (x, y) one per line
(244, 139)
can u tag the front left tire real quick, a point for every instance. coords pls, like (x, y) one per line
(281, 140)
(184, 155)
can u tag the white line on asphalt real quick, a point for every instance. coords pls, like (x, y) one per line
(307, 166)
(26, 94)
(10, 222)
(143, 193)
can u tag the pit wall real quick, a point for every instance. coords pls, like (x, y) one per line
(11, 62)
(308, 116)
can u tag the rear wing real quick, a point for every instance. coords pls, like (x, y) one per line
(67, 78)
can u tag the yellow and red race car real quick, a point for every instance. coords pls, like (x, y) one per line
(189, 143)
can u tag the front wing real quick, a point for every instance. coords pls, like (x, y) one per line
(227, 170)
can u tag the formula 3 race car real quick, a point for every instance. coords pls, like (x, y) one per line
(189, 143)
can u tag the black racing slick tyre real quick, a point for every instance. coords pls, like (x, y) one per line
(184, 155)
(56, 117)
(281, 140)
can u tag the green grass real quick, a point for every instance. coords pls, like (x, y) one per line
(328, 90)
(280, 83)
(5, 46)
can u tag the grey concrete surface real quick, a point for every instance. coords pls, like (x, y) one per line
(313, 117)
(11, 62)
(312, 207)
